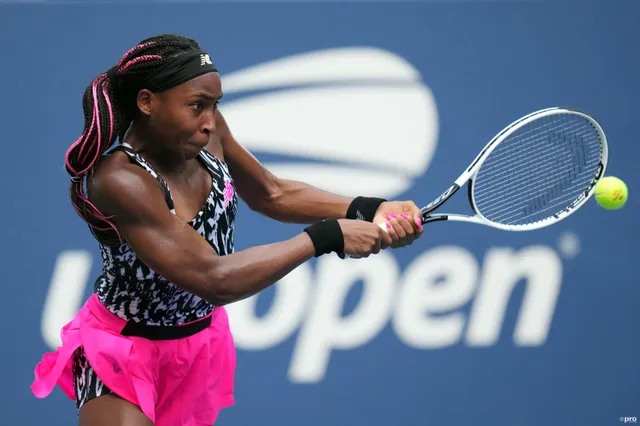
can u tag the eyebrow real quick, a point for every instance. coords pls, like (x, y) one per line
(205, 96)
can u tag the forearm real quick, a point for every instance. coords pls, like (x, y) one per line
(298, 202)
(247, 272)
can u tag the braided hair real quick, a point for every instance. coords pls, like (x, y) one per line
(109, 105)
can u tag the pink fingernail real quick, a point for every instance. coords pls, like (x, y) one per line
(406, 216)
(388, 217)
(419, 223)
(388, 225)
(395, 215)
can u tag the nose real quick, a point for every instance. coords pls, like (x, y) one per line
(208, 123)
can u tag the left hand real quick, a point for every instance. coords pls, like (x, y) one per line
(402, 220)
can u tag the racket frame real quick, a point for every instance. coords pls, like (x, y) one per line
(468, 176)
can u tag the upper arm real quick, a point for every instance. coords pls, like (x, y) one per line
(136, 205)
(255, 184)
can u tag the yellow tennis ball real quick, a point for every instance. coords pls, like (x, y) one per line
(611, 193)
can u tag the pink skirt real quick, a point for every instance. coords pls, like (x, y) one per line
(185, 381)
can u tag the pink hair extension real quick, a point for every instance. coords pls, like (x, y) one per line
(87, 134)
(109, 107)
(96, 113)
(103, 81)
(77, 187)
(133, 49)
(139, 59)
(82, 139)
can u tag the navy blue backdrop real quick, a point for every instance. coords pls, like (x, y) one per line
(469, 326)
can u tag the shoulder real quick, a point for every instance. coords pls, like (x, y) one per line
(222, 129)
(221, 122)
(121, 188)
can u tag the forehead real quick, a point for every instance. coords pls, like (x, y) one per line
(207, 84)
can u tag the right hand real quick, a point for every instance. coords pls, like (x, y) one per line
(362, 238)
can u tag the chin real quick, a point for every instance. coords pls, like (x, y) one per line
(192, 149)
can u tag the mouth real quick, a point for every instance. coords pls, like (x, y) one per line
(200, 142)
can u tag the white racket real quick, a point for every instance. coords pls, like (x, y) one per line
(536, 172)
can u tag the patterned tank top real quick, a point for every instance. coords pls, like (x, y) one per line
(132, 291)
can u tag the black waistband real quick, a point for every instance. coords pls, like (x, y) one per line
(158, 332)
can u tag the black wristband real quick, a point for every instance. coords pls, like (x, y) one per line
(326, 236)
(364, 208)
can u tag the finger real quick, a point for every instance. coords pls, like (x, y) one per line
(399, 231)
(385, 239)
(408, 225)
(377, 242)
(417, 219)
(376, 247)
(389, 230)
(414, 218)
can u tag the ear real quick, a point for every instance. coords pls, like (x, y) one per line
(145, 100)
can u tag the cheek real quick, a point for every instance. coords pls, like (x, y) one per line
(166, 123)
(175, 124)
(186, 122)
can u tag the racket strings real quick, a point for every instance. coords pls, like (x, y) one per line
(520, 191)
(523, 198)
(502, 167)
(534, 198)
(558, 206)
(526, 172)
(507, 155)
(486, 188)
(538, 170)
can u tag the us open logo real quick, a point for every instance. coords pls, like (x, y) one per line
(342, 117)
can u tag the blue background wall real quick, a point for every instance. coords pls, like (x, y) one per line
(571, 358)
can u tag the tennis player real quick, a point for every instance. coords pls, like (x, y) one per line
(152, 345)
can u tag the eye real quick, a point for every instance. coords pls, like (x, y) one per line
(197, 106)
(215, 106)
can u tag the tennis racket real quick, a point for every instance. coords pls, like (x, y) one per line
(536, 172)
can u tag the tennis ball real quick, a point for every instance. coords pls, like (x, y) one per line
(611, 193)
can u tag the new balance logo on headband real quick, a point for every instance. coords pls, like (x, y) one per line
(205, 59)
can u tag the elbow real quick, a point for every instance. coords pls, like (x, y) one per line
(221, 297)
(222, 301)
(270, 198)
(217, 297)
(261, 205)
(219, 290)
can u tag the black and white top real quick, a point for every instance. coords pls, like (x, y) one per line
(132, 291)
